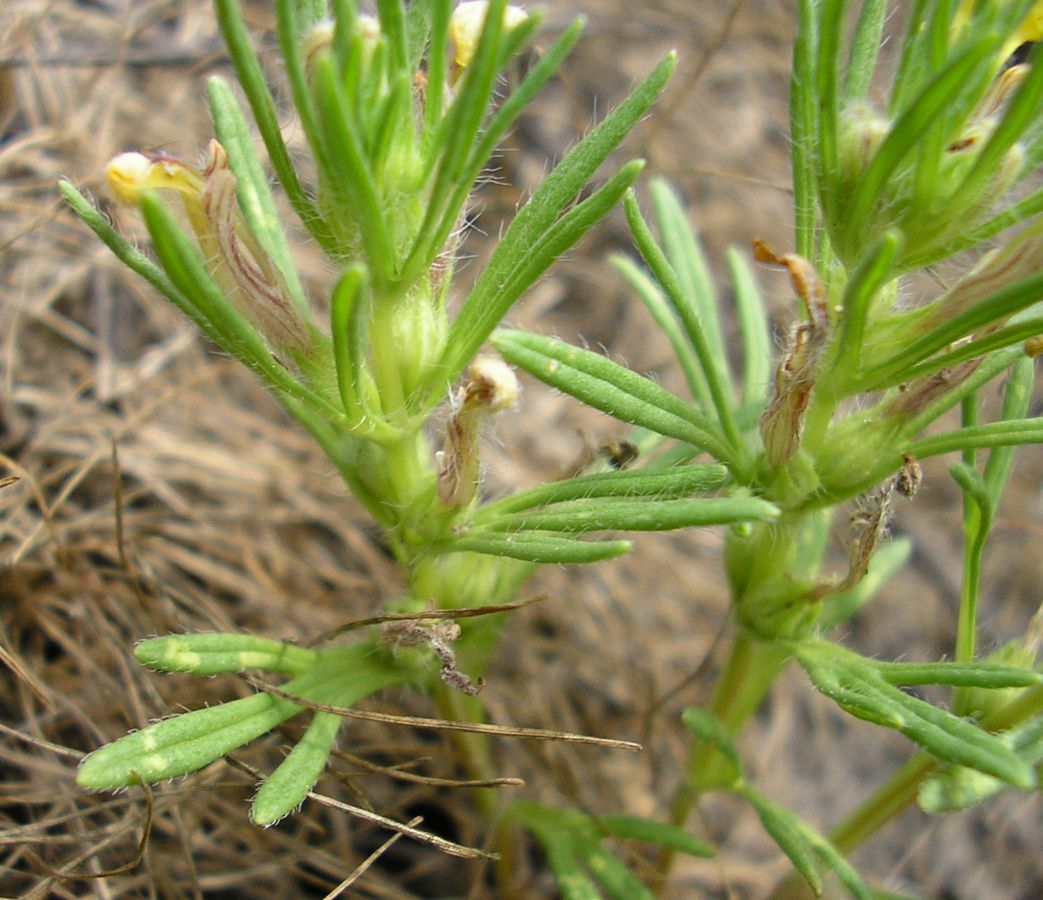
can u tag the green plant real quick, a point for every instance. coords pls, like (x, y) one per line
(399, 132)
(882, 189)
(399, 114)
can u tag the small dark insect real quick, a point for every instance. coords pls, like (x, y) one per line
(619, 454)
(907, 482)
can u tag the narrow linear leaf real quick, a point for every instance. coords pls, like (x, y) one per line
(1016, 333)
(825, 89)
(975, 674)
(418, 29)
(349, 46)
(572, 881)
(617, 880)
(784, 829)
(437, 61)
(350, 175)
(691, 312)
(255, 197)
(186, 743)
(392, 15)
(957, 740)
(802, 843)
(250, 75)
(834, 860)
(394, 117)
(531, 547)
(285, 789)
(754, 328)
(803, 117)
(1017, 398)
(451, 190)
(865, 47)
(860, 704)
(913, 60)
(557, 192)
(559, 237)
(612, 388)
(992, 434)
(958, 787)
(649, 831)
(460, 125)
(874, 271)
(681, 246)
(213, 654)
(855, 684)
(707, 728)
(546, 66)
(474, 324)
(666, 320)
(677, 481)
(183, 744)
(581, 516)
(348, 331)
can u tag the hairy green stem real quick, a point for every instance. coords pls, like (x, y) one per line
(748, 674)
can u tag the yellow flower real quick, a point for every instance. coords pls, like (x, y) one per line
(235, 259)
(1030, 29)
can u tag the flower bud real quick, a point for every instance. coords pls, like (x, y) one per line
(131, 174)
(1022, 653)
(1030, 29)
(320, 38)
(492, 387)
(862, 130)
(465, 27)
(782, 424)
(1019, 259)
(234, 257)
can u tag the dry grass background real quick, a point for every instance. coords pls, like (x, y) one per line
(161, 490)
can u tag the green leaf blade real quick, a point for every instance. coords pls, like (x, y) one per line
(677, 481)
(582, 516)
(609, 387)
(617, 880)
(254, 195)
(214, 654)
(285, 789)
(539, 214)
(783, 828)
(184, 744)
(649, 831)
(251, 77)
(546, 549)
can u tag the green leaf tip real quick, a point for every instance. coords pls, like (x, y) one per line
(286, 788)
(182, 744)
(213, 654)
(649, 831)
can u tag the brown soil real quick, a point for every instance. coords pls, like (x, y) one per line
(161, 490)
